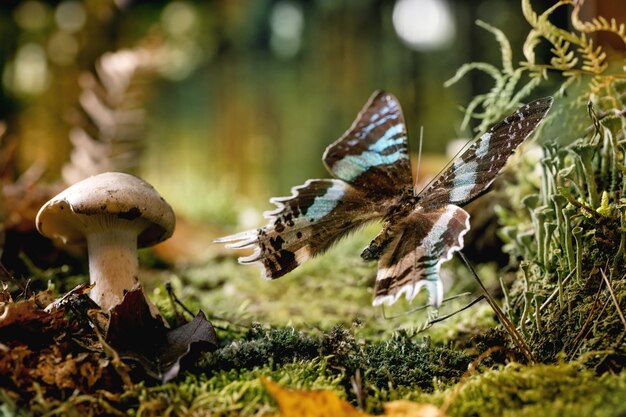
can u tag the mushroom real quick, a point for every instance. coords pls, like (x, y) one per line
(113, 213)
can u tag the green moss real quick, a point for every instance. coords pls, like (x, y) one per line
(541, 390)
(226, 393)
(263, 346)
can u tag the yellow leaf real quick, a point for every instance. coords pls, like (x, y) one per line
(297, 403)
(405, 408)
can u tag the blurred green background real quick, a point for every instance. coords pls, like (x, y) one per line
(217, 101)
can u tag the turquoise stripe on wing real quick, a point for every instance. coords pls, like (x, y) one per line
(373, 154)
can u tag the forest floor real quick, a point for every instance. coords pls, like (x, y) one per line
(315, 329)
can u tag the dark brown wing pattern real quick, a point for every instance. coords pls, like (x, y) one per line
(306, 224)
(423, 241)
(373, 154)
(372, 163)
(472, 172)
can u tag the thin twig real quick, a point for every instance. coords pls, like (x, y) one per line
(419, 308)
(447, 316)
(504, 320)
(615, 301)
(120, 367)
(554, 293)
(471, 369)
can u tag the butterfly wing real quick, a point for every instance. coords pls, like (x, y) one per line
(373, 153)
(317, 214)
(422, 242)
(474, 170)
(372, 163)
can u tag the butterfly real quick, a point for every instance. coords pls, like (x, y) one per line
(373, 180)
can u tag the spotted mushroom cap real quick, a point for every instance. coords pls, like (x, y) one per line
(103, 199)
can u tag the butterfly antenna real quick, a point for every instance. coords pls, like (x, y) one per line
(422, 307)
(504, 320)
(419, 160)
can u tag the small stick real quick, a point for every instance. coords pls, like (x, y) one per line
(175, 302)
(619, 310)
(504, 320)
(447, 316)
(554, 293)
(583, 330)
(413, 310)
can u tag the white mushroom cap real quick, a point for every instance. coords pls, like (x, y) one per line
(113, 213)
(97, 200)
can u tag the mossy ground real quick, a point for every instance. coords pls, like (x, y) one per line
(317, 329)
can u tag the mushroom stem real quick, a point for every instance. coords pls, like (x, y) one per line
(113, 264)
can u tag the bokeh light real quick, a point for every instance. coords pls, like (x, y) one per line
(287, 24)
(424, 24)
(28, 73)
(32, 15)
(179, 18)
(62, 48)
(70, 16)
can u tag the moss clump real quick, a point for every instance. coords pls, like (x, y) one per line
(397, 362)
(228, 393)
(261, 346)
(541, 390)
(406, 363)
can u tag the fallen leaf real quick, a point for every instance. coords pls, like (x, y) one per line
(403, 408)
(132, 326)
(198, 333)
(143, 338)
(296, 403)
(20, 312)
(319, 403)
(25, 312)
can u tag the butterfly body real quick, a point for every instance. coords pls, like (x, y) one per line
(374, 182)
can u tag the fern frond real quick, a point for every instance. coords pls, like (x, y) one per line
(550, 31)
(564, 59)
(597, 24)
(470, 111)
(109, 138)
(594, 59)
(529, 13)
(535, 79)
(532, 40)
(465, 68)
(505, 46)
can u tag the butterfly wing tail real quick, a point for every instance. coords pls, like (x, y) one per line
(307, 223)
(424, 241)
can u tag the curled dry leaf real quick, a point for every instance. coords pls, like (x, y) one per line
(25, 312)
(139, 336)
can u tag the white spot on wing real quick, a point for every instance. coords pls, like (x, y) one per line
(483, 145)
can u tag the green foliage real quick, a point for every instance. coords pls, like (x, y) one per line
(570, 230)
(576, 62)
(399, 361)
(324, 292)
(403, 362)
